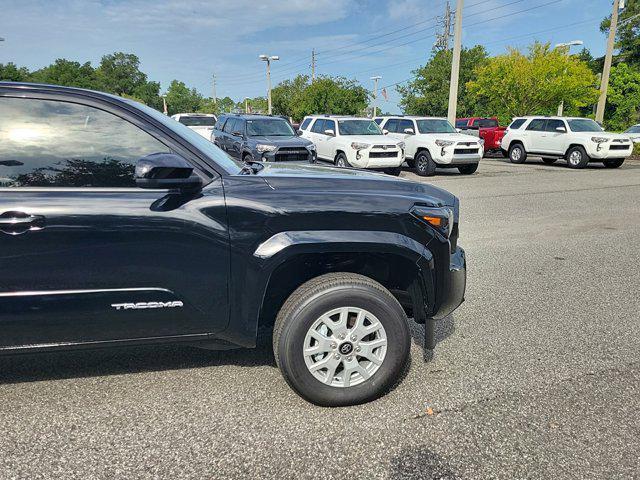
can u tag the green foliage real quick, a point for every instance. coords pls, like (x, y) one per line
(515, 84)
(66, 72)
(623, 98)
(181, 99)
(10, 72)
(636, 149)
(332, 95)
(627, 33)
(428, 93)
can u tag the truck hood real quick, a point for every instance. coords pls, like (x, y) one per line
(348, 180)
(609, 135)
(292, 141)
(371, 139)
(454, 137)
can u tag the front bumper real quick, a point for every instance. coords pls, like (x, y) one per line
(606, 152)
(454, 286)
(376, 158)
(447, 156)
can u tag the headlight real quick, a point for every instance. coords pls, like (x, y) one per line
(261, 147)
(444, 143)
(400, 145)
(359, 146)
(599, 139)
(311, 147)
(441, 219)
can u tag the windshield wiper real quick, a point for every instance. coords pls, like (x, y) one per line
(251, 167)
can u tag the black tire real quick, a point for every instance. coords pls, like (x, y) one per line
(517, 153)
(319, 296)
(341, 161)
(549, 161)
(411, 162)
(615, 163)
(394, 171)
(577, 157)
(425, 166)
(468, 169)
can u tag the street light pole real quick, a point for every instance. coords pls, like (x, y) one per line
(268, 59)
(455, 64)
(568, 46)
(602, 101)
(375, 94)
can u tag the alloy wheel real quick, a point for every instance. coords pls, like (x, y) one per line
(345, 347)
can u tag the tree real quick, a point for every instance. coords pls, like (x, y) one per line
(428, 93)
(627, 33)
(333, 95)
(515, 84)
(287, 96)
(623, 98)
(12, 73)
(120, 73)
(69, 73)
(181, 99)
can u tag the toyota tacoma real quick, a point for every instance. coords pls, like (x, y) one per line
(120, 226)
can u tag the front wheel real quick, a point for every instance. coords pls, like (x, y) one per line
(577, 157)
(341, 339)
(517, 153)
(468, 169)
(614, 163)
(425, 166)
(341, 161)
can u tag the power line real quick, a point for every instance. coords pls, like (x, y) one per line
(484, 21)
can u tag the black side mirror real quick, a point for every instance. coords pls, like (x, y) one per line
(166, 171)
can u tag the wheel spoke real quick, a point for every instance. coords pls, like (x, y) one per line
(367, 350)
(332, 365)
(323, 344)
(324, 363)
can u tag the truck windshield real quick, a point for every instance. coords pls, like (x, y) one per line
(200, 121)
(269, 128)
(634, 129)
(584, 125)
(435, 125)
(359, 127)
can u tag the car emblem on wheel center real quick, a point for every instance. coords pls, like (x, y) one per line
(346, 348)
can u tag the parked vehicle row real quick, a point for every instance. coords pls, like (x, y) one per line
(488, 129)
(577, 140)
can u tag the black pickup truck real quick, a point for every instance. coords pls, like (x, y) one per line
(119, 226)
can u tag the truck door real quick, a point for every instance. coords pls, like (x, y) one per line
(85, 255)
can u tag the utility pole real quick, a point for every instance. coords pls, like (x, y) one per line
(602, 101)
(313, 64)
(215, 100)
(455, 64)
(375, 94)
(443, 40)
(269, 59)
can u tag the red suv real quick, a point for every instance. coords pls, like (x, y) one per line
(486, 128)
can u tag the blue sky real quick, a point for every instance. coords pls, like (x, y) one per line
(191, 39)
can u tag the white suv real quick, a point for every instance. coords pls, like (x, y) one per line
(353, 142)
(201, 123)
(577, 140)
(433, 142)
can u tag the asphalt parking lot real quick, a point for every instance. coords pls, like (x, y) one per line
(537, 375)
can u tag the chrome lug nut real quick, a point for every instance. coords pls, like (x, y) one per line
(342, 335)
(349, 358)
(358, 349)
(334, 346)
(353, 338)
(336, 356)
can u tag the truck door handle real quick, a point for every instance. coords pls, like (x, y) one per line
(15, 223)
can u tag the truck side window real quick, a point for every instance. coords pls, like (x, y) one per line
(537, 125)
(47, 143)
(305, 124)
(391, 125)
(318, 126)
